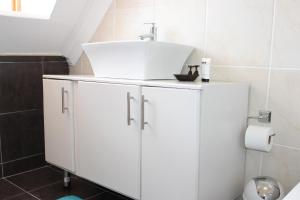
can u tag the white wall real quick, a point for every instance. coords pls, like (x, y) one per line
(253, 41)
(38, 36)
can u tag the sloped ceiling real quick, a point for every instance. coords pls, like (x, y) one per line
(72, 22)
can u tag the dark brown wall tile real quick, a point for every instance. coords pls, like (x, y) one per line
(1, 171)
(56, 68)
(55, 58)
(31, 58)
(20, 86)
(21, 105)
(21, 58)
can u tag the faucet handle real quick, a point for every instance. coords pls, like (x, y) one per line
(150, 23)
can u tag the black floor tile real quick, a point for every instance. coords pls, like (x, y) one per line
(22, 197)
(55, 168)
(8, 190)
(80, 188)
(109, 196)
(22, 134)
(23, 165)
(36, 179)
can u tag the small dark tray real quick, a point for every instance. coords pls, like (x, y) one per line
(186, 77)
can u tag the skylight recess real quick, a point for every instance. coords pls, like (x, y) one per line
(40, 9)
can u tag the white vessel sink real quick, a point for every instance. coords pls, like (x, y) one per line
(137, 59)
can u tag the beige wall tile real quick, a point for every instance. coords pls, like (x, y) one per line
(239, 32)
(283, 164)
(285, 104)
(253, 163)
(86, 66)
(105, 31)
(182, 22)
(256, 77)
(130, 22)
(287, 31)
(82, 67)
(76, 69)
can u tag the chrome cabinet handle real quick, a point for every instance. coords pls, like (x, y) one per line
(63, 107)
(143, 123)
(129, 119)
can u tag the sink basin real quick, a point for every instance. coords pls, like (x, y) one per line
(143, 60)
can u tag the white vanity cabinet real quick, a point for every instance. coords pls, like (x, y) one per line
(108, 136)
(58, 123)
(170, 139)
(158, 140)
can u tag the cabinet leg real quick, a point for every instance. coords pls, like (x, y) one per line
(67, 179)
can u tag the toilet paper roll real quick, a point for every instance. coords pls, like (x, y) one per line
(259, 138)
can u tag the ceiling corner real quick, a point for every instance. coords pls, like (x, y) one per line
(85, 27)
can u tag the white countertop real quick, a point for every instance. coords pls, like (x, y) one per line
(294, 194)
(197, 85)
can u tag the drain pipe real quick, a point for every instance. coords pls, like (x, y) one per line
(67, 179)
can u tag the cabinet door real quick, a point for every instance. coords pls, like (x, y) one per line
(108, 137)
(58, 120)
(170, 144)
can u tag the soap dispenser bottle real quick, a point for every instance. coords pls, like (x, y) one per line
(205, 64)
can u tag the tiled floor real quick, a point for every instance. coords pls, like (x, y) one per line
(46, 184)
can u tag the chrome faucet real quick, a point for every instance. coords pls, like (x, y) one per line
(152, 35)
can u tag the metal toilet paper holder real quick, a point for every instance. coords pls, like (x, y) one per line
(264, 116)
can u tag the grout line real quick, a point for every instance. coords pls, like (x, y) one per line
(14, 196)
(1, 159)
(30, 62)
(26, 172)
(43, 67)
(16, 112)
(22, 189)
(2, 168)
(242, 67)
(271, 54)
(114, 19)
(287, 147)
(0, 150)
(118, 195)
(21, 62)
(269, 72)
(154, 17)
(44, 186)
(96, 195)
(286, 68)
(261, 164)
(55, 169)
(53, 61)
(258, 67)
(26, 157)
(205, 29)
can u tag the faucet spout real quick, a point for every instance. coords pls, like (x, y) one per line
(147, 36)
